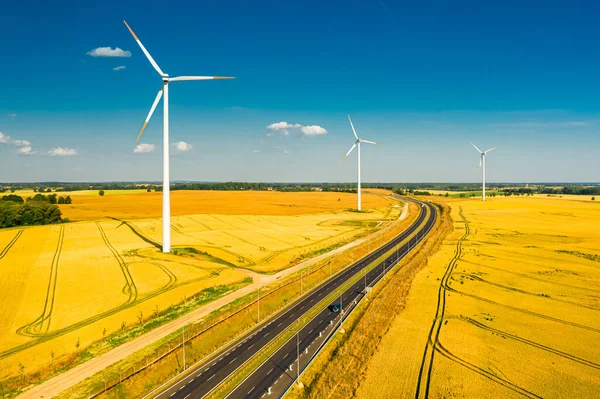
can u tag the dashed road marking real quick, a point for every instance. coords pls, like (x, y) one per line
(210, 378)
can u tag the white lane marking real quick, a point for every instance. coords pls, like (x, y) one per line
(251, 390)
(182, 387)
(198, 375)
(250, 346)
(279, 324)
(210, 378)
(232, 360)
(190, 381)
(267, 334)
(311, 331)
(171, 395)
(270, 371)
(286, 355)
(186, 396)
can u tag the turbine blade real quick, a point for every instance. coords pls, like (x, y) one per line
(154, 104)
(182, 78)
(352, 124)
(154, 64)
(349, 151)
(475, 146)
(493, 148)
(370, 142)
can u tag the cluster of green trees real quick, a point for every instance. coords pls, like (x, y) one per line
(50, 198)
(30, 213)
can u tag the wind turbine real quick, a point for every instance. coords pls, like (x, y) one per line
(482, 166)
(357, 144)
(164, 91)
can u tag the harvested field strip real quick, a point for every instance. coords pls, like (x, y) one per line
(41, 324)
(424, 380)
(10, 244)
(129, 287)
(439, 348)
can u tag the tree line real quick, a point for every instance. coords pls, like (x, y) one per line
(37, 210)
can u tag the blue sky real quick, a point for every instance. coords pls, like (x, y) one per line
(423, 78)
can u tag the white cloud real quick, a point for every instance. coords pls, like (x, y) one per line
(13, 115)
(313, 130)
(4, 138)
(26, 150)
(119, 68)
(62, 152)
(283, 127)
(255, 151)
(286, 152)
(182, 146)
(108, 52)
(21, 143)
(144, 148)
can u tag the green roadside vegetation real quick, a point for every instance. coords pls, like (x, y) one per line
(239, 375)
(12, 387)
(339, 368)
(220, 327)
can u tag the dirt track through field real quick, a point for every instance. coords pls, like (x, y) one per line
(63, 381)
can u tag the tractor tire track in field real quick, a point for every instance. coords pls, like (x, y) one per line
(439, 348)
(520, 291)
(46, 337)
(138, 233)
(433, 344)
(10, 244)
(207, 227)
(530, 313)
(130, 287)
(504, 334)
(424, 380)
(531, 277)
(41, 324)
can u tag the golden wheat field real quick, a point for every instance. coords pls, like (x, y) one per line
(64, 287)
(518, 313)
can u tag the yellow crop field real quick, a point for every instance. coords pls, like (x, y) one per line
(518, 310)
(65, 287)
(148, 205)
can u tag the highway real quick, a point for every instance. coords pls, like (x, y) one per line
(275, 375)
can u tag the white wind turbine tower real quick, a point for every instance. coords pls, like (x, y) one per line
(164, 90)
(482, 167)
(357, 145)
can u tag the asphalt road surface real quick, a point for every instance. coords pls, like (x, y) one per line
(275, 375)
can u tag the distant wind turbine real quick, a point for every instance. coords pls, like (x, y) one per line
(482, 167)
(357, 144)
(164, 90)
